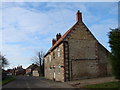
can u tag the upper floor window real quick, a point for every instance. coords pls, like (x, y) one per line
(53, 55)
(59, 69)
(50, 58)
(58, 52)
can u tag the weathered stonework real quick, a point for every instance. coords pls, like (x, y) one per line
(81, 56)
(54, 67)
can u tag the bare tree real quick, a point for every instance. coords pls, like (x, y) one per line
(39, 60)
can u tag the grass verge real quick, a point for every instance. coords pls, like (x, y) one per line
(104, 85)
(7, 80)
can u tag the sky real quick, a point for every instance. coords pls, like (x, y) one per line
(28, 27)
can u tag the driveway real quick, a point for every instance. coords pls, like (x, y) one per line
(35, 82)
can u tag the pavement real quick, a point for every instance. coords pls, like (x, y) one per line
(35, 82)
(82, 83)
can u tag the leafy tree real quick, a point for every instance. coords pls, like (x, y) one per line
(114, 41)
(3, 61)
(39, 60)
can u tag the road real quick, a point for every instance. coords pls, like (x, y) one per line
(35, 82)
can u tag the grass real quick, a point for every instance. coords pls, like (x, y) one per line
(7, 80)
(104, 85)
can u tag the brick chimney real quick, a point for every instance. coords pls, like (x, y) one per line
(79, 16)
(53, 42)
(58, 36)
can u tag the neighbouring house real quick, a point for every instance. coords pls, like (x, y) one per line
(32, 70)
(76, 55)
(10, 71)
(15, 71)
(19, 70)
(35, 72)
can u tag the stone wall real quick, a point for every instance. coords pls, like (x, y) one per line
(81, 56)
(104, 62)
(35, 73)
(84, 69)
(84, 60)
(54, 64)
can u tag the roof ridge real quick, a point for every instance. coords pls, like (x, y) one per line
(61, 39)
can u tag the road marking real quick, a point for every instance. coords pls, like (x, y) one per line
(27, 85)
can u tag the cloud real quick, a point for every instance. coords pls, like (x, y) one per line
(14, 54)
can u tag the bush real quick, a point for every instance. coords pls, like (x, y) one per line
(114, 41)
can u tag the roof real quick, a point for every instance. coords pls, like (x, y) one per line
(79, 17)
(37, 68)
(64, 36)
(60, 40)
(32, 66)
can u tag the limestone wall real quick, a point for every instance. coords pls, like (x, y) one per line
(54, 67)
(86, 60)
(105, 67)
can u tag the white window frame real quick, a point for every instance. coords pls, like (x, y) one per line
(50, 58)
(58, 52)
(59, 67)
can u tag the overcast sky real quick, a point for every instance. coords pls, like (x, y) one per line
(29, 27)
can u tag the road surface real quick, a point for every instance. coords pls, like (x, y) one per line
(35, 82)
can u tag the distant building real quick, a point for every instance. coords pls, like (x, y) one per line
(19, 71)
(76, 55)
(35, 72)
(32, 70)
(3, 73)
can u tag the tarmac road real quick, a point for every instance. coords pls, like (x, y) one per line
(35, 82)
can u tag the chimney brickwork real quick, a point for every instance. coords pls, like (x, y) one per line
(53, 42)
(79, 16)
(58, 36)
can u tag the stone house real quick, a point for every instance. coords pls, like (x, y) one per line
(35, 72)
(32, 70)
(76, 55)
(19, 70)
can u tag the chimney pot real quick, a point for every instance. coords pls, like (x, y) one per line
(79, 16)
(58, 36)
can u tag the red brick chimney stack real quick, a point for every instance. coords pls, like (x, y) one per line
(79, 16)
(53, 42)
(58, 36)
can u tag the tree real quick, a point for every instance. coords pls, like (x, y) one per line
(114, 41)
(3, 61)
(39, 60)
